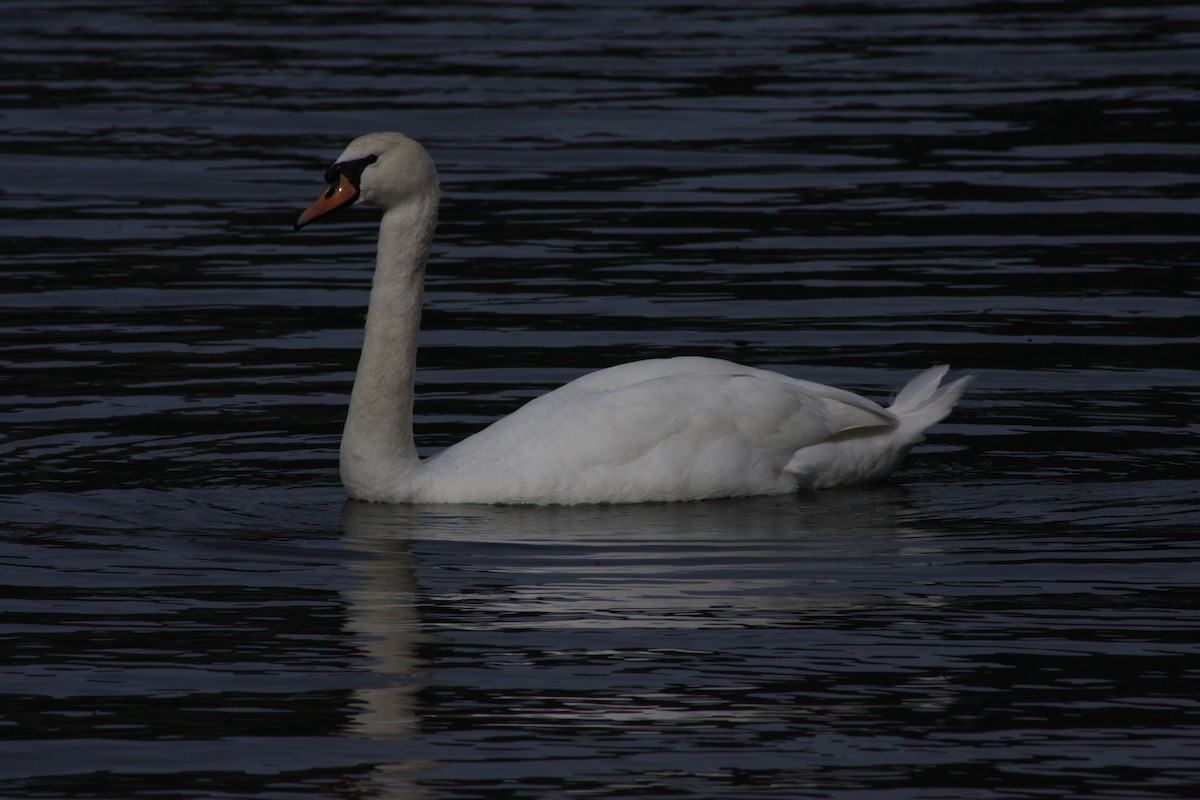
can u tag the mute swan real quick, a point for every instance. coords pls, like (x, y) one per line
(684, 428)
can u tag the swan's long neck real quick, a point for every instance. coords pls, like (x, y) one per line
(378, 451)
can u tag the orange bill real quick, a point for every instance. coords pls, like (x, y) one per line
(336, 195)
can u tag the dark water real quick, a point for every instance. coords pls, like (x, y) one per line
(845, 192)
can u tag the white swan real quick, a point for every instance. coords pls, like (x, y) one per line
(667, 429)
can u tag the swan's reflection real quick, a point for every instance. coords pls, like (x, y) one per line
(766, 561)
(669, 570)
(382, 609)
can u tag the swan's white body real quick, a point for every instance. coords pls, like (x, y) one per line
(670, 429)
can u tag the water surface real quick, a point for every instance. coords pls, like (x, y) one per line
(846, 193)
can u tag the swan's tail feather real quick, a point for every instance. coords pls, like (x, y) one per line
(924, 399)
(866, 455)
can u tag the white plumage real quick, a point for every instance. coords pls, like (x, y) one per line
(666, 429)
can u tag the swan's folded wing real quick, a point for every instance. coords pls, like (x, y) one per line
(687, 434)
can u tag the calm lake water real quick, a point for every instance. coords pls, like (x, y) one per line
(845, 192)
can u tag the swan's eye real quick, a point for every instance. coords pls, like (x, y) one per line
(350, 170)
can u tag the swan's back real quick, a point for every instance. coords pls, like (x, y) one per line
(669, 429)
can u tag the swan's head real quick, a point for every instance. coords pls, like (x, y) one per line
(378, 169)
